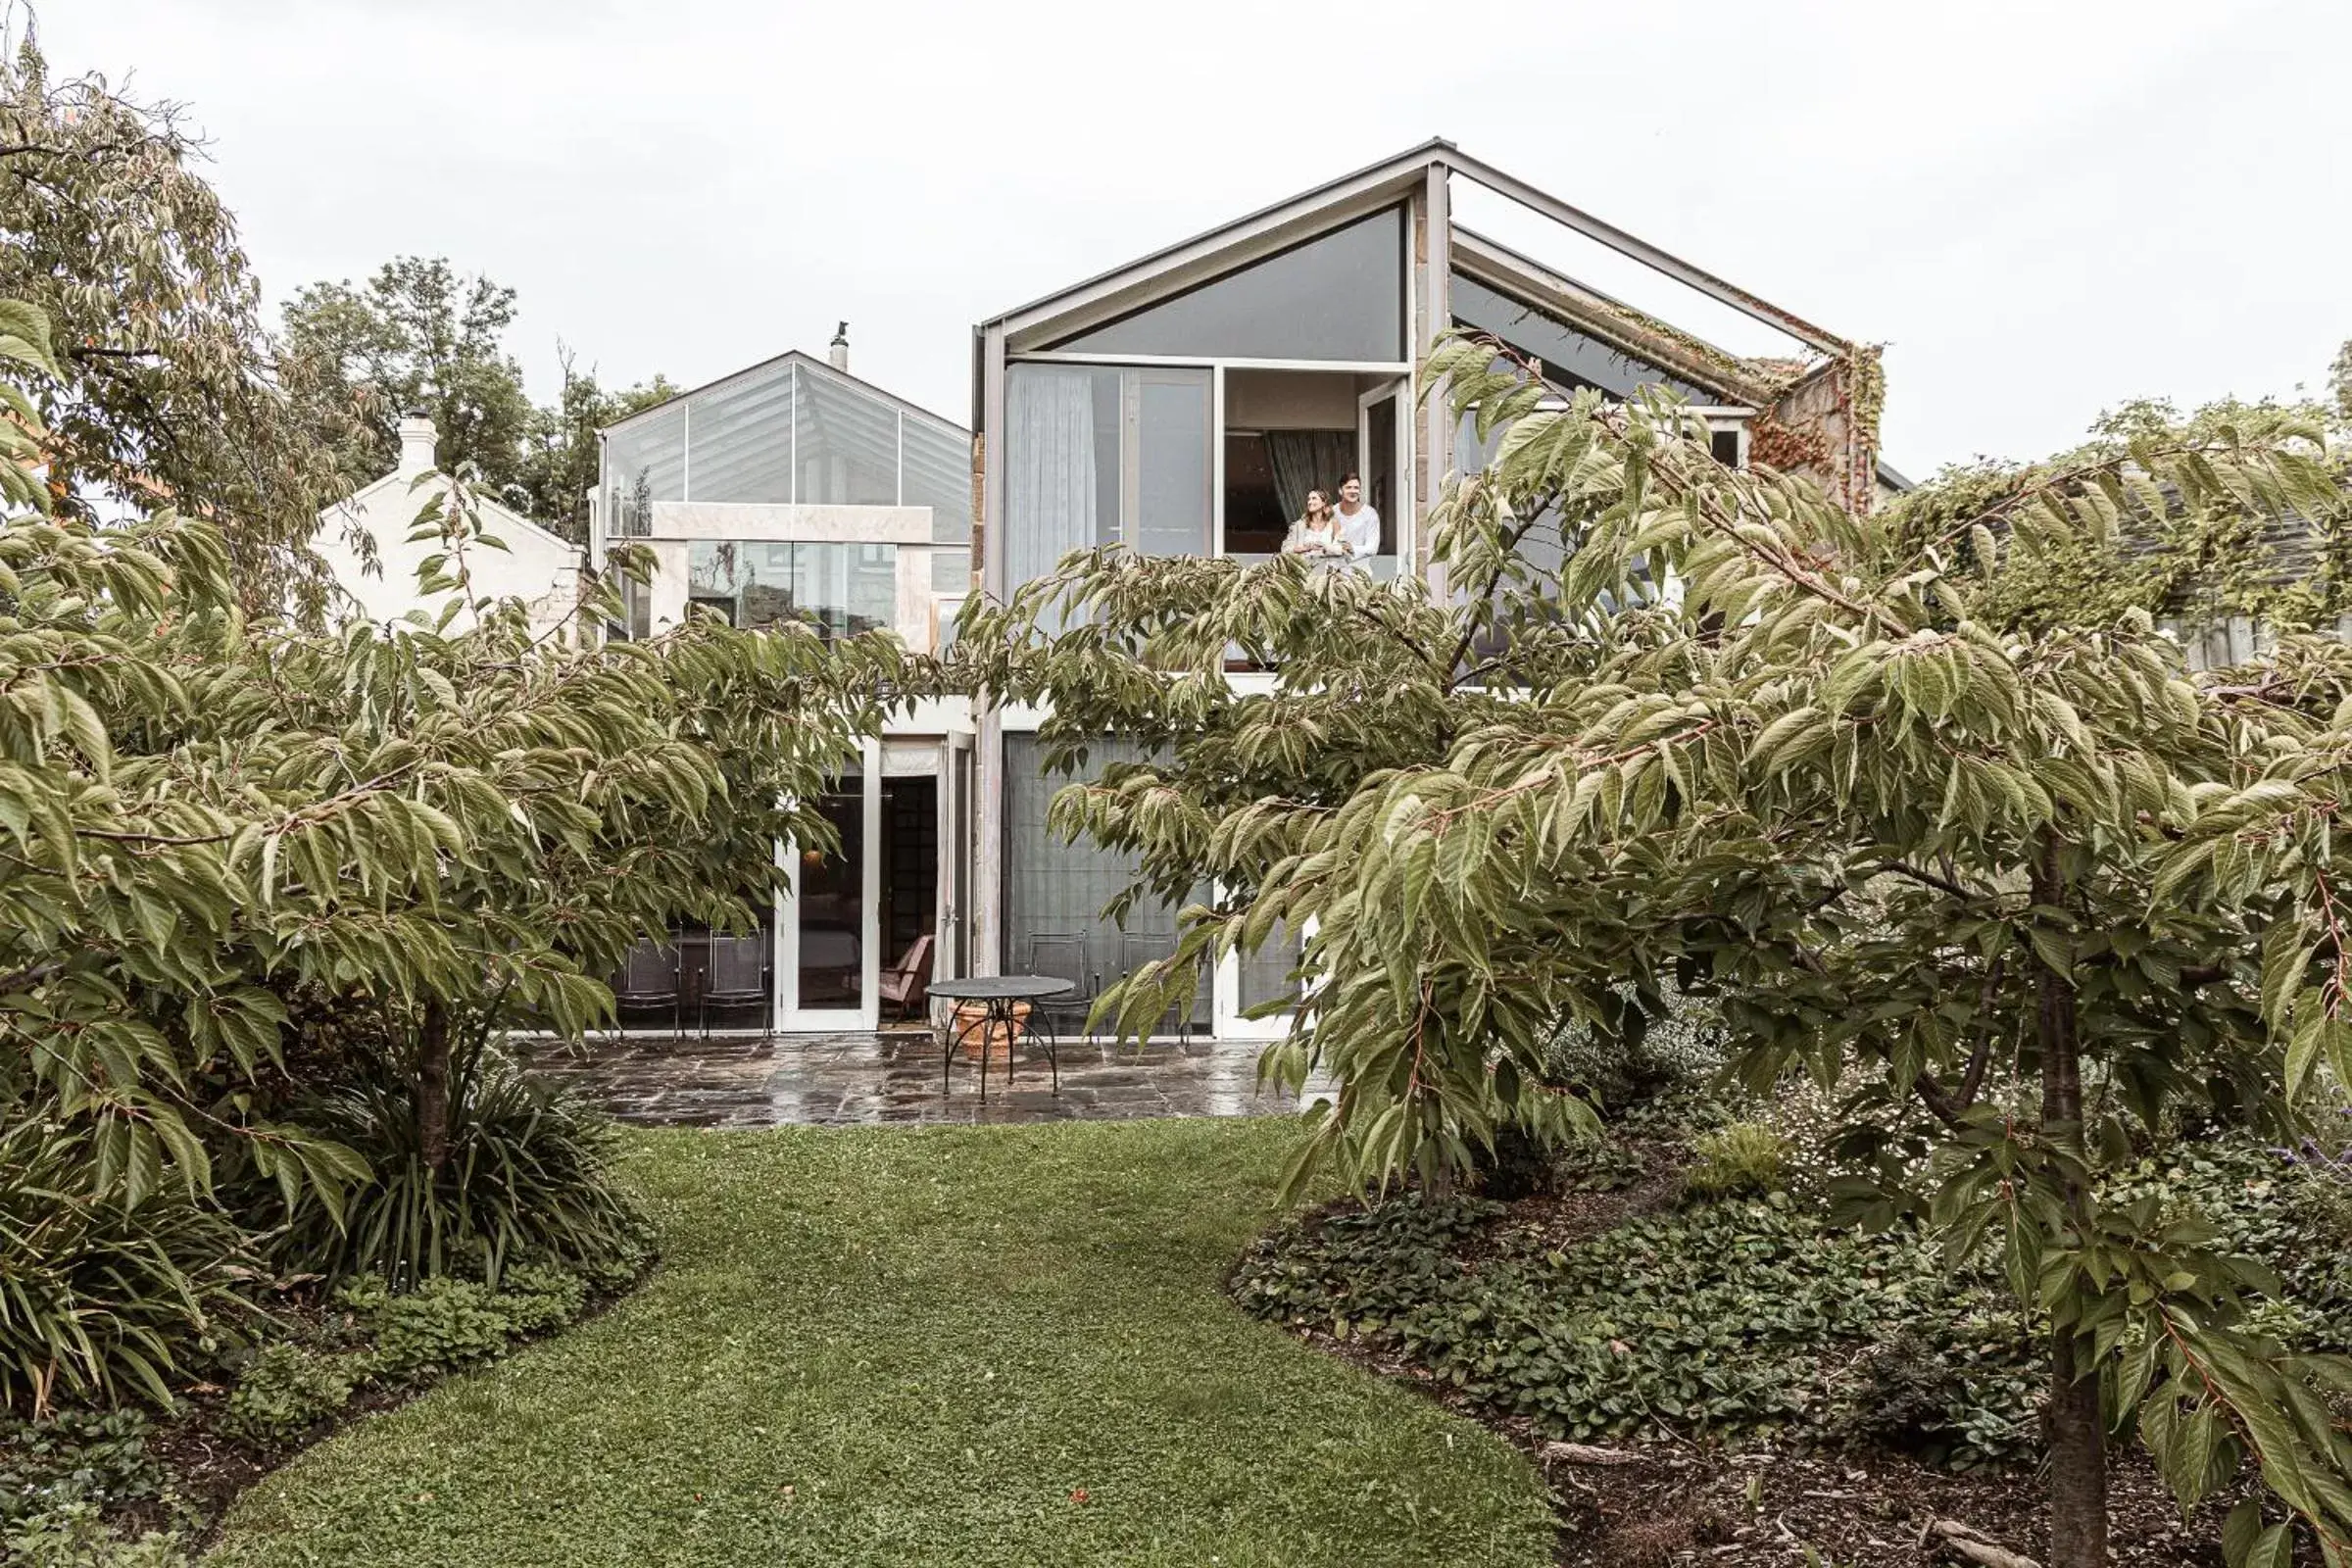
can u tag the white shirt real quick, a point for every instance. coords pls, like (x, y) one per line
(1360, 532)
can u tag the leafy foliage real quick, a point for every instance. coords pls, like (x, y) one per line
(165, 393)
(76, 1536)
(104, 1295)
(418, 337)
(286, 1391)
(75, 1457)
(1744, 1157)
(447, 833)
(1758, 1314)
(1663, 722)
(526, 1172)
(415, 338)
(446, 1323)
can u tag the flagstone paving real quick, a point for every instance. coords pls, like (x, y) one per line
(839, 1079)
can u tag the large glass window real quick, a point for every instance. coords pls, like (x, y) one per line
(847, 445)
(739, 445)
(1340, 296)
(839, 588)
(1172, 470)
(792, 432)
(1054, 888)
(1572, 360)
(936, 467)
(644, 462)
(1100, 454)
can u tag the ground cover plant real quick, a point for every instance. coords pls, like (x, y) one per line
(1706, 1327)
(953, 1345)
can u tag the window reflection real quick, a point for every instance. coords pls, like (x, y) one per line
(841, 589)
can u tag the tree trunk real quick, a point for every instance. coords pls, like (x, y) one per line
(432, 1085)
(2078, 1437)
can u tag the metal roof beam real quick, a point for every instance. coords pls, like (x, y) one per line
(1671, 266)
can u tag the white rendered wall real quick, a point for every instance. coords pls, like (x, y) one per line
(536, 567)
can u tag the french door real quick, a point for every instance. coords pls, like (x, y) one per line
(1383, 461)
(828, 903)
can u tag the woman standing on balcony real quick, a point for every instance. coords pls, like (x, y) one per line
(1317, 533)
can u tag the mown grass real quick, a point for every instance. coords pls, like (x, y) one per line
(886, 1346)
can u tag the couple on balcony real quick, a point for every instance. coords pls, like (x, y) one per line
(1349, 531)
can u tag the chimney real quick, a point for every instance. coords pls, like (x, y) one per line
(417, 440)
(839, 353)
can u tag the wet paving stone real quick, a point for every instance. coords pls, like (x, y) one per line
(893, 1078)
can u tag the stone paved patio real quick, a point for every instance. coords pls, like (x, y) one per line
(776, 1080)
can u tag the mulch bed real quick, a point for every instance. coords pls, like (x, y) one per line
(1674, 1503)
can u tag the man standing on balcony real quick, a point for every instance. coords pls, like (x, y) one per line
(1359, 524)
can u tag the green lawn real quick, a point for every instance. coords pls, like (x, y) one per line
(882, 1347)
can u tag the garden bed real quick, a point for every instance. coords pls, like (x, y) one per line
(1735, 1381)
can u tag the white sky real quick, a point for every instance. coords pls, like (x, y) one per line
(2041, 209)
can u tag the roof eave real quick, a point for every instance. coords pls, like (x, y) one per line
(1101, 293)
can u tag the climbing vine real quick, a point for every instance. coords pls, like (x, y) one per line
(2192, 557)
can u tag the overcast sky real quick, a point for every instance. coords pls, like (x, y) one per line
(2041, 209)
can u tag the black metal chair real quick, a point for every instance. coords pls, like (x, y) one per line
(1137, 950)
(653, 975)
(734, 975)
(1061, 956)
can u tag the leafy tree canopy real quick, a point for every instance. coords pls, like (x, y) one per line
(419, 337)
(166, 394)
(203, 814)
(1658, 721)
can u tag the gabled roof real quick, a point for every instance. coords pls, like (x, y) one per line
(1330, 204)
(805, 361)
(505, 518)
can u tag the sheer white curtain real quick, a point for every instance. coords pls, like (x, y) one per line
(1049, 467)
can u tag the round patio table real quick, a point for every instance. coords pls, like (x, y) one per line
(1000, 995)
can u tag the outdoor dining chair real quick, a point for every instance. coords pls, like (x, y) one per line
(1137, 950)
(653, 976)
(906, 982)
(735, 975)
(1061, 956)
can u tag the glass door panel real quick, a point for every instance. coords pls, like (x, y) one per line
(831, 961)
(828, 937)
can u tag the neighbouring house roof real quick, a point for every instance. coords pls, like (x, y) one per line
(504, 517)
(807, 361)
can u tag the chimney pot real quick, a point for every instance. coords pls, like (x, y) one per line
(418, 437)
(839, 353)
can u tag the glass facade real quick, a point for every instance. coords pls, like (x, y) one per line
(1572, 360)
(839, 588)
(644, 462)
(789, 432)
(1102, 455)
(1340, 296)
(1055, 888)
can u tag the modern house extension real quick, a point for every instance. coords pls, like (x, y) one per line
(1185, 401)
(794, 490)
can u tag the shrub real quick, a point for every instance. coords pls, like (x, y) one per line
(284, 1392)
(1674, 1054)
(105, 1297)
(441, 1325)
(75, 1457)
(76, 1537)
(1745, 1157)
(529, 1174)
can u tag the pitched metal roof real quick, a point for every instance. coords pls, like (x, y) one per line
(1335, 202)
